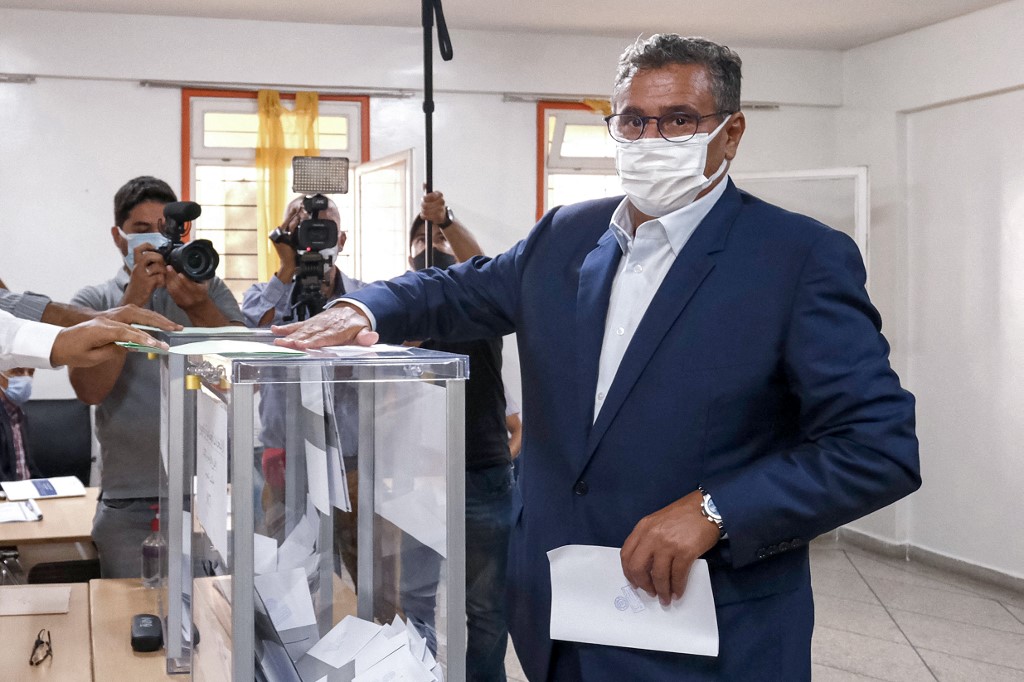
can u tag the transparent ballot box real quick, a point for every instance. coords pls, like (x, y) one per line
(328, 515)
(177, 420)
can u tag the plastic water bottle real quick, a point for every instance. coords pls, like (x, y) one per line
(152, 554)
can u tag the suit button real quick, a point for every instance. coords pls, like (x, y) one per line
(581, 488)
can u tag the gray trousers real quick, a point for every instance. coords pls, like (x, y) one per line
(118, 530)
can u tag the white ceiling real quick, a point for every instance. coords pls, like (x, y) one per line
(821, 24)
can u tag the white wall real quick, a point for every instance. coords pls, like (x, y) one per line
(934, 113)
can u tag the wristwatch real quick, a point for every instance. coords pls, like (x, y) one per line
(710, 511)
(449, 219)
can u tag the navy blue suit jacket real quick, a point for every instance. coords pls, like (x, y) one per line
(759, 372)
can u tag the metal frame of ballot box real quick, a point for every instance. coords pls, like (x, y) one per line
(408, 406)
(177, 462)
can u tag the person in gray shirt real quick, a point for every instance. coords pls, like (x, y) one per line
(127, 389)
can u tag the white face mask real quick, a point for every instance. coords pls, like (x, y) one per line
(660, 176)
(19, 390)
(135, 240)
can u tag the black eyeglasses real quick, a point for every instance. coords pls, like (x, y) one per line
(42, 649)
(677, 126)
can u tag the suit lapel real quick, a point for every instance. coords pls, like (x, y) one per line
(595, 285)
(691, 267)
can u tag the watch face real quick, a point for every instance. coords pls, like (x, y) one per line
(712, 509)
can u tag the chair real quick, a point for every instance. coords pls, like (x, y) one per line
(60, 444)
(60, 437)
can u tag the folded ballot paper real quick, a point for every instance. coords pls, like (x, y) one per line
(591, 601)
(372, 653)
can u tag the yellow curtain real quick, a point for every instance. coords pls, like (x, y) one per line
(601, 106)
(283, 133)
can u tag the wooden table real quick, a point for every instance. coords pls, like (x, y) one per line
(65, 519)
(112, 603)
(69, 635)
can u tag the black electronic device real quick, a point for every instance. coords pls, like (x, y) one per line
(147, 632)
(315, 238)
(197, 259)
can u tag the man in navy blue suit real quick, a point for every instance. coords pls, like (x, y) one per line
(703, 376)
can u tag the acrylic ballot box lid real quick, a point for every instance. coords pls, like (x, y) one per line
(354, 363)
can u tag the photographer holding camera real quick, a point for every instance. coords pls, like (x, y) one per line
(127, 388)
(273, 302)
(280, 300)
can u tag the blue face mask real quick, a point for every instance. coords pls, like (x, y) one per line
(135, 240)
(19, 390)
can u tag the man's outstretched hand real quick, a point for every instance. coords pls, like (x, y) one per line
(92, 342)
(342, 325)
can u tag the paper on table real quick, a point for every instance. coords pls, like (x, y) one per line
(39, 488)
(286, 595)
(343, 642)
(28, 600)
(591, 601)
(27, 510)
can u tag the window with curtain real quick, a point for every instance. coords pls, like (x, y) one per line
(220, 133)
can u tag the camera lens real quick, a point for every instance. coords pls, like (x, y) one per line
(316, 234)
(197, 260)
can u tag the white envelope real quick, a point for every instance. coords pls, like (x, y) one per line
(591, 601)
(344, 641)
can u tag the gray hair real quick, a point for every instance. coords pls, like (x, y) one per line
(722, 64)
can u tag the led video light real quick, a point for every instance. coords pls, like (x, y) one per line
(320, 175)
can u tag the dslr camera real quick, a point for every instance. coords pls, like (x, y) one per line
(197, 259)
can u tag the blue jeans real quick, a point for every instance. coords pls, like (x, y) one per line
(488, 524)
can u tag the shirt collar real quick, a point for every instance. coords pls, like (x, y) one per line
(677, 225)
(122, 277)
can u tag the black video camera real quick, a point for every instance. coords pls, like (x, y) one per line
(197, 259)
(313, 176)
(313, 233)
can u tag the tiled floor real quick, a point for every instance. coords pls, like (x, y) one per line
(879, 618)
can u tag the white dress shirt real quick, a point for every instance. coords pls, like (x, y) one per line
(648, 251)
(24, 343)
